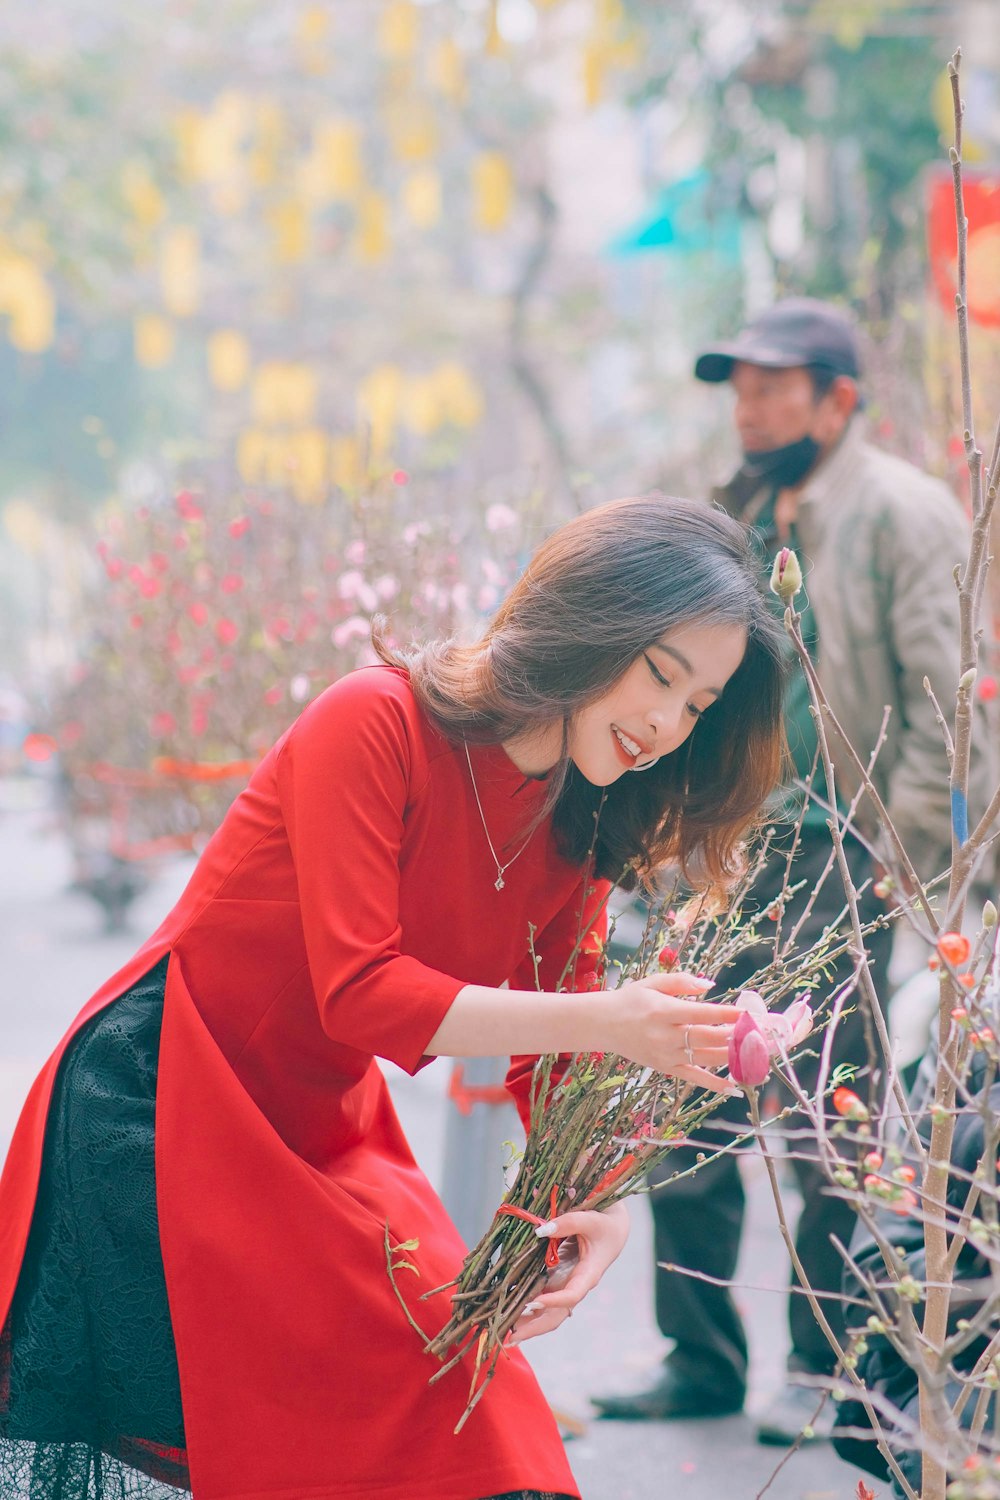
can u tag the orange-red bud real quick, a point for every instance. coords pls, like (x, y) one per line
(847, 1103)
(954, 948)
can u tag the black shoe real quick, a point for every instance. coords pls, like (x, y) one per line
(792, 1414)
(668, 1399)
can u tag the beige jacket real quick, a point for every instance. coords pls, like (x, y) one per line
(880, 541)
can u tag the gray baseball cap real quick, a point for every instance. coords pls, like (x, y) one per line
(796, 331)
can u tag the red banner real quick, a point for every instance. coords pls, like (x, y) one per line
(982, 209)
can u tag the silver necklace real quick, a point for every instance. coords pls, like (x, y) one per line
(499, 883)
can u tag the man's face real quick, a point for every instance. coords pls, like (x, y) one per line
(776, 407)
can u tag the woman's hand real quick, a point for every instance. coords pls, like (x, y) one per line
(591, 1241)
(662, 1030)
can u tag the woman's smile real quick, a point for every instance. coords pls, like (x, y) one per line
(629, 749)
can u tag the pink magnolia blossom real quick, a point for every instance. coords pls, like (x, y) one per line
(761, 1035)
(749, 1059)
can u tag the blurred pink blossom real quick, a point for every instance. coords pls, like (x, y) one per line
(500, 518)
(356, 627)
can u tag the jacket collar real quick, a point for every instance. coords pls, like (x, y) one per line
(834, 474)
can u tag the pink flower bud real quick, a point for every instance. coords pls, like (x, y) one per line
(749, 1058)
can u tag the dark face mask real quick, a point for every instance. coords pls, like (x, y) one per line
(782, 467)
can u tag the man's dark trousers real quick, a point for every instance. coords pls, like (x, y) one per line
(698, 1219)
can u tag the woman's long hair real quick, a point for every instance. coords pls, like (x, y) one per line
(596, 594)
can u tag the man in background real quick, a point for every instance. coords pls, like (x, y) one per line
(878, 542)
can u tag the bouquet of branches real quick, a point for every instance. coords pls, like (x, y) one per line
(599, 1122)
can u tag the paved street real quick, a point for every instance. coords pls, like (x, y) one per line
(54, 954)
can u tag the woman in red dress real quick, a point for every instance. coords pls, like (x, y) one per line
(193, 1291)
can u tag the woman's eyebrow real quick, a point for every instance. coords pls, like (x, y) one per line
(682, 661)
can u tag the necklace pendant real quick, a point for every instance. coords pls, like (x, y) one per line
(499, 883)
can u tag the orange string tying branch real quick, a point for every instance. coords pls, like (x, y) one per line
(512, 1211)
(611, 1177)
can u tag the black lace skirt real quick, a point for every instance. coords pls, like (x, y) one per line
(90, 1403)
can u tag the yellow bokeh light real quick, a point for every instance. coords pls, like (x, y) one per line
(228, 360)
(346, 465)
(447, 71)
(460, 397)
(379, 397)
(422, 409)
(308, 453)
(421, 198)
(251, 451)
(594, 66)
(398, 29)
(28, 301)
(413, 131)
(180, 271)
(372, 231)
(145, 201)
(153, 340)
(269, 140)
(313, 24)
(24, 525)
(337, 152)
(493, 191)
(284, 393)
(290, 223)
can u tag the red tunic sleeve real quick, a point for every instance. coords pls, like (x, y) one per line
(553, 948)
(344, 776)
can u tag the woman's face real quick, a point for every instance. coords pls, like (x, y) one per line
(656, 703)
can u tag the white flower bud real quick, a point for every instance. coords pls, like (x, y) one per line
(786, 575)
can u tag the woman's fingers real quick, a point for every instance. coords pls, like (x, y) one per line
(606, 1227)
(678, 983)
(708, 1057)
(598, 1238)
(678, 987)
(699, 1037)
(701, 1013)
(706, 1080)
(539, 1320)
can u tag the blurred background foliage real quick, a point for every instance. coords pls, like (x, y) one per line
(381, 263)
